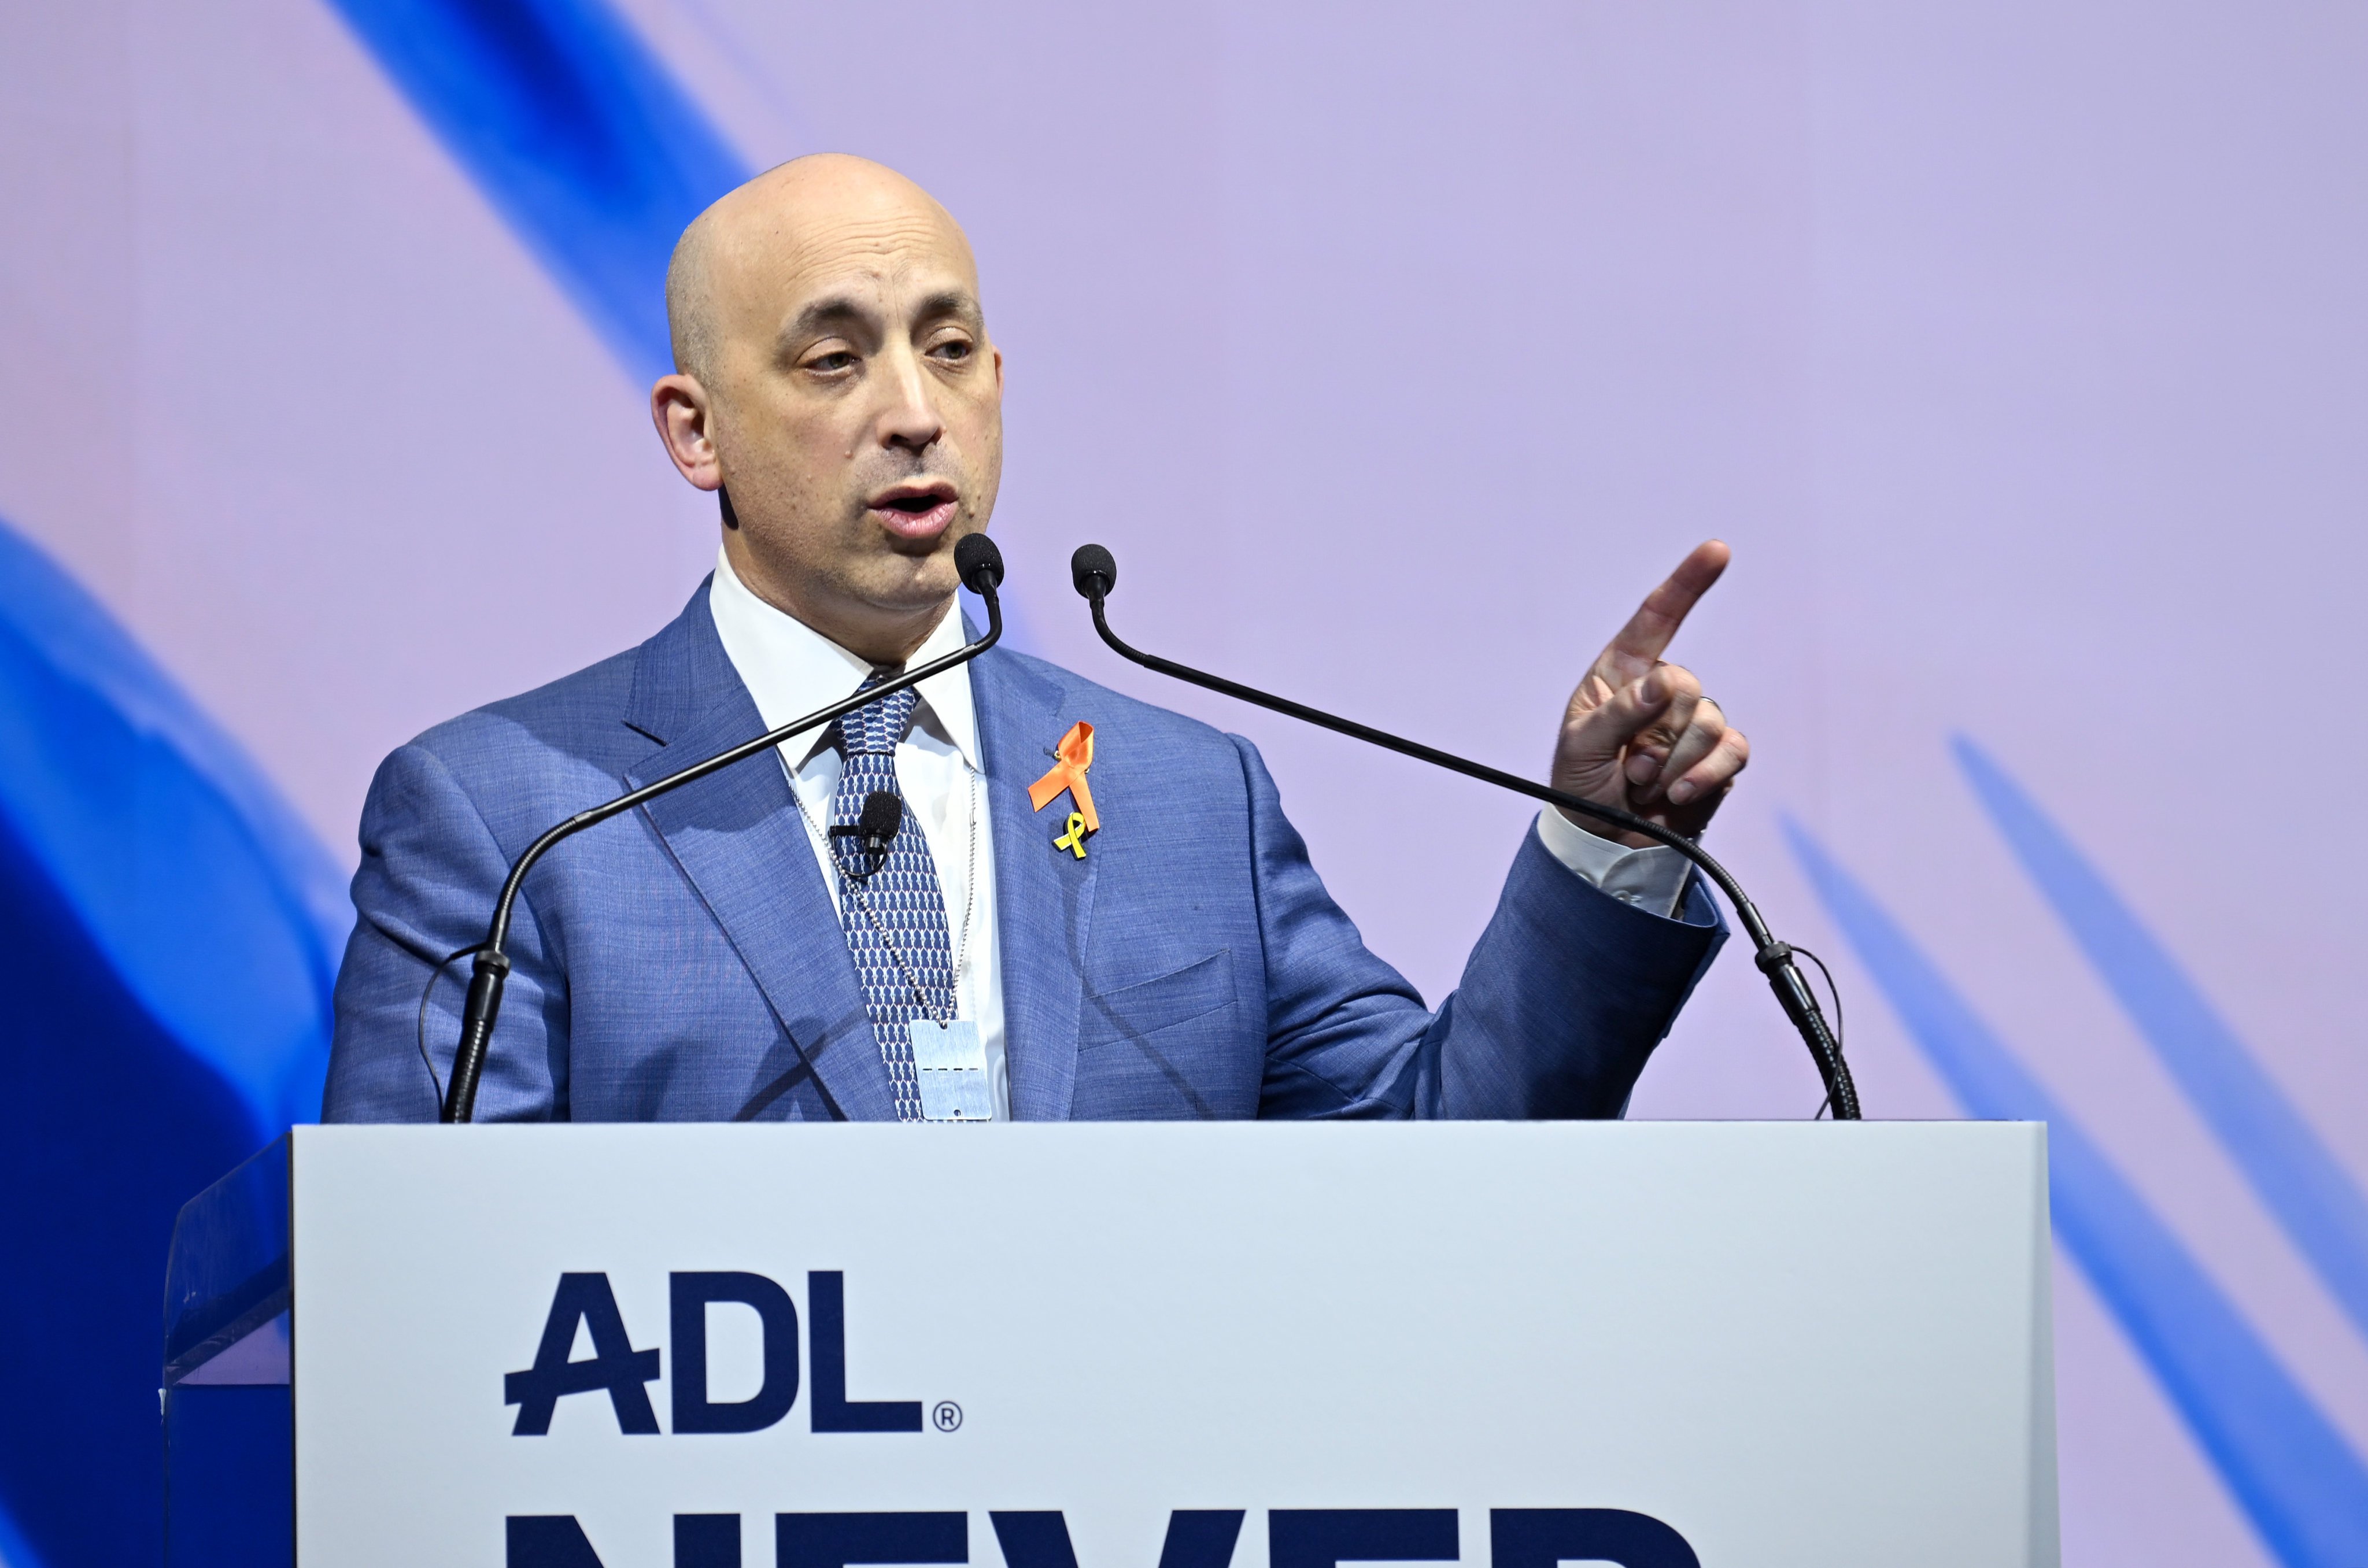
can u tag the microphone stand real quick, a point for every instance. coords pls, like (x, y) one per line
(980, 564)
(1097, 573)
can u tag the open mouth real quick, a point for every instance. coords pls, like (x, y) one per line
(914, 511)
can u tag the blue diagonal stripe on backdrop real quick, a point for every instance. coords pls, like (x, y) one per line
(592, 154)
(209, 898)
(2299, 1484)
(2289, 1165)
(15, 1551)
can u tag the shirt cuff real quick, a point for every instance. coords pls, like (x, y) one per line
(1653, 879)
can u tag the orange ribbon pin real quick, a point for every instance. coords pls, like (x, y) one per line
(1075, 753)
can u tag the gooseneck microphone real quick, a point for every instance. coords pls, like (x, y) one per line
(980, 565)
(1095, 574)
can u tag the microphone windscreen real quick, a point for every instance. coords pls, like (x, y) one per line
(1093, 571)
(979, 563)
(882, 814)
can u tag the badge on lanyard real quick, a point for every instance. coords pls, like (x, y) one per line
(950, 1060)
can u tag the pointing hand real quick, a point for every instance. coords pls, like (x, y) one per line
(1639, 735)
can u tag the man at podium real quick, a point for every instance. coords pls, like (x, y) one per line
(1004, 893)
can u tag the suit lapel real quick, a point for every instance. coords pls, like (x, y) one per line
(1043, 901)
(737, 837)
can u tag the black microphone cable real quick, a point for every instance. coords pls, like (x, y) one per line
(977, 562)
(1094, 572)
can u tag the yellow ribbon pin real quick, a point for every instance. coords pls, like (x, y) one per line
(1073, 755)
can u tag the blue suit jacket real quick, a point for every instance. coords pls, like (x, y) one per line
(685, 963)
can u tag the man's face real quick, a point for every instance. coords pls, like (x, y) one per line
(856, 408)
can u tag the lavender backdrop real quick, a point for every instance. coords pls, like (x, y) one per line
(1395, 351)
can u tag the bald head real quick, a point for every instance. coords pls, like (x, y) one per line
(834, 378)
(766, 223)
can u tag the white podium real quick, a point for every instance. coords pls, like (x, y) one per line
(1129, 1346)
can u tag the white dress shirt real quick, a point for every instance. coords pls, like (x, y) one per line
(790, 669)
(1652, 878)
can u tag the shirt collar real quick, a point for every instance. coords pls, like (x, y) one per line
(790, 669)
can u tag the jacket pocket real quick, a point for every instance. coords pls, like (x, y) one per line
(1137, 1011)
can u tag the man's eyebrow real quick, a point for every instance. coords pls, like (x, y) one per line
(831, 310)
(951, 302)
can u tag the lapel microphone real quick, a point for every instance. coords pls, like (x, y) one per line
(1094, 572)
(875, 826)
(977, 562)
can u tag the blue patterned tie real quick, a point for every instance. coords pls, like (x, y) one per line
(900, 889)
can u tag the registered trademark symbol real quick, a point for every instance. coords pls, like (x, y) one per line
(948, 1415)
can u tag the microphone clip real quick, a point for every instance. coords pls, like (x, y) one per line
(874, 829)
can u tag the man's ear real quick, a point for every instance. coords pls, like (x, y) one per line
(685, 416)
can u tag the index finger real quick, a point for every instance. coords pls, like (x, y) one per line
(1657, 621)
